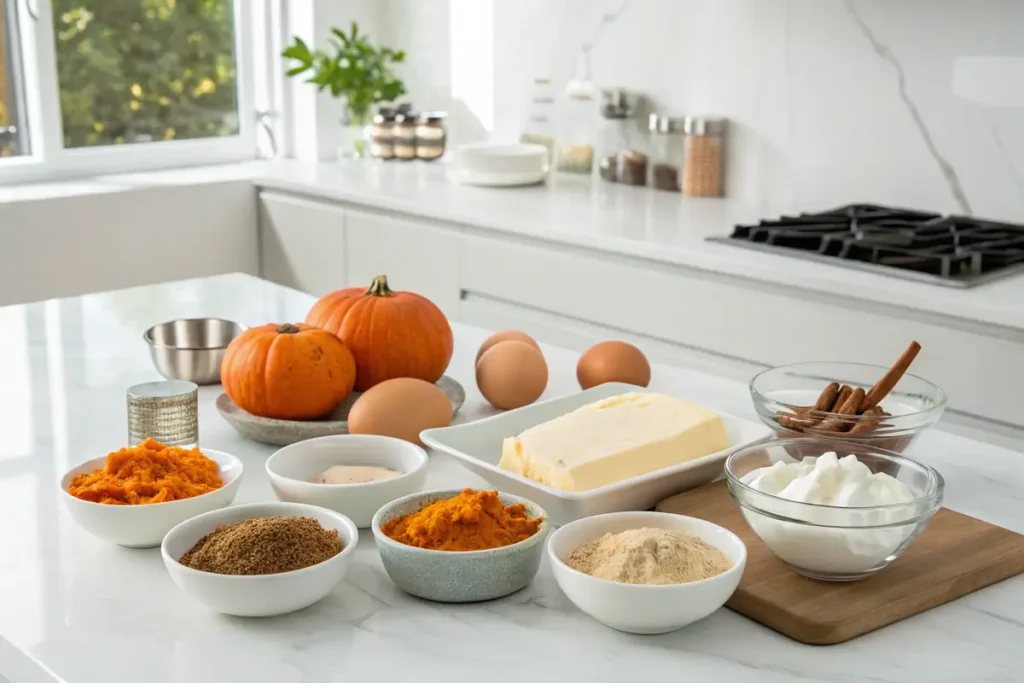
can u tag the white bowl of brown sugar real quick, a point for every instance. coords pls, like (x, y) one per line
(260, 559)
(646, 572)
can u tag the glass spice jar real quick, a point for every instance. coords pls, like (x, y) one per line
(702, 156)
(611, 136)
(382, 134)
(539, 128)
(430, 135)
(667, 146)
(633, 167)
(404, 132)
(574, 151)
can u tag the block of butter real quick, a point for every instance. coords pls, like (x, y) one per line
(614, 439)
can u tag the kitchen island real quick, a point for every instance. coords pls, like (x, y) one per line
(90, 612)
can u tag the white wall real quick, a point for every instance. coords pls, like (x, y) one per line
(58, 247)
(909, 102)
(316, 128)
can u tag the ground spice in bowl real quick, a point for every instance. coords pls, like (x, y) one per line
(472, 520)
(265, 545)
(150, 472)
(649, 556)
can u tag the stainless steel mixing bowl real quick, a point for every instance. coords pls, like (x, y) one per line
(191, 348)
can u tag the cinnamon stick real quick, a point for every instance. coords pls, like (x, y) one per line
(827, 399)
(851, 406)
(794, 424)
(870, 420)
(889, 380)
(844, 393)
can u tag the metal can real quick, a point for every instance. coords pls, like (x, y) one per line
(165, 411)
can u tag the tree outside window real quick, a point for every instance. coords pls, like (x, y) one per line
(145, 70)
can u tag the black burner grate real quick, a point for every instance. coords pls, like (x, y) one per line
(947, 247)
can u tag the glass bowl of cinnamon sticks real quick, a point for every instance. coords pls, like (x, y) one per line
(883, 407)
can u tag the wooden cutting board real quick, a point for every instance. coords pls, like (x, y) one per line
(955, 555)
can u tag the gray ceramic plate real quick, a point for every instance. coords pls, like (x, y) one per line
(285, 432)
(470, 576)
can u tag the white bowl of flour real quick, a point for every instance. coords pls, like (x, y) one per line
(639, 580)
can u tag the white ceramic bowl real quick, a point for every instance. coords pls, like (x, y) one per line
(637, 608)
(144, 526)
(459, 576)
(293, 468)
(268, 594)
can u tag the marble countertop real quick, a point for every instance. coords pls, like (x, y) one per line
(88, 611)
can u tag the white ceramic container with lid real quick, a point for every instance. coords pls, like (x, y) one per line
(494, 164)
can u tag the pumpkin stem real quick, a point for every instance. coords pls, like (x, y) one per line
(287, 328)
(379, 287)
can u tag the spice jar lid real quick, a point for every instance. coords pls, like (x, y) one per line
(408, 119)
(659, 123)
(404, 108)
(616, 103)
(432, 116)
(703, 125)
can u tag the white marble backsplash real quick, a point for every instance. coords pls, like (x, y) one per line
(910, 102)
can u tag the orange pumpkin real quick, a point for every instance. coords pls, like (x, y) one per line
(287, 372)
(391, 334)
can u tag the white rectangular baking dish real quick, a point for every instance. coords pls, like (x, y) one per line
(477, 445)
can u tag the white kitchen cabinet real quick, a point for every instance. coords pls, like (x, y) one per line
(742, 320)
(574, 296)
(302, 243)
(93, 242)
(416, 256)
(580, 335)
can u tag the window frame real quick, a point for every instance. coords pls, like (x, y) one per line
(48, 159)
(14, 73)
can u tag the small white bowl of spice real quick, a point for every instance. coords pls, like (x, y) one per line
(354, 474)
(646, 572)
(260, 559)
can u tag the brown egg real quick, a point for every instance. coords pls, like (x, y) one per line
(505, 335)
(512, 374)
(401, 407)
(613, 361)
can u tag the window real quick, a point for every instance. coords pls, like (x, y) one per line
(122, 85)
(10, 125)
(131, 71)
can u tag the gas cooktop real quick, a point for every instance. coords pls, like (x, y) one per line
(956, 251)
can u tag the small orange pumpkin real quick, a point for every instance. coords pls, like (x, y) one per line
(287, 372)
(391, 334)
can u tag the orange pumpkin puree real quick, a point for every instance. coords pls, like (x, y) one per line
(148, 473)
(472, 520)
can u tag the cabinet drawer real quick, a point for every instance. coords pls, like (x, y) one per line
(415, 256)
(751, 321)
(302, 243)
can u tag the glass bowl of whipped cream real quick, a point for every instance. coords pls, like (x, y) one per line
(832, 509)
(784, 399)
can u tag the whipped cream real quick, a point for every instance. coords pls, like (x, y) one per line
(844, 485)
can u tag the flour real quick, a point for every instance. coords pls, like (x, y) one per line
(649, 556)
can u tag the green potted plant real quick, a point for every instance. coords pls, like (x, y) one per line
(357, 71)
